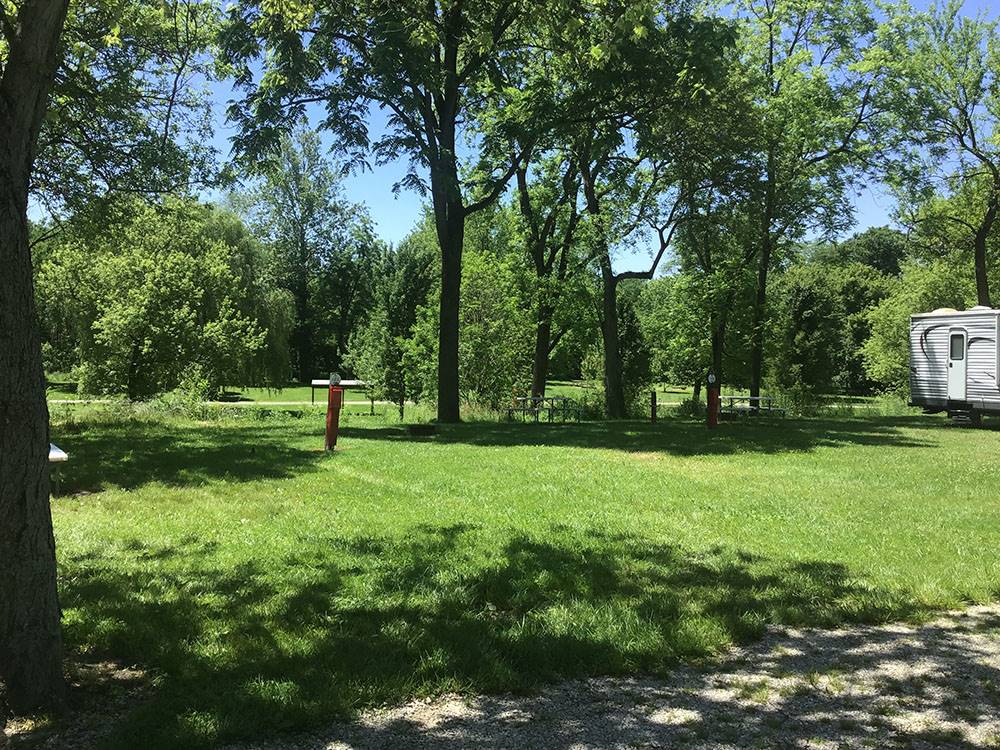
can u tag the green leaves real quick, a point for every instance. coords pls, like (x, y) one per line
(130, 109)
(168, 289)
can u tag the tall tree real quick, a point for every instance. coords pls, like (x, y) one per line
(815, 94)
(322, 246)
(430, 66)
(944, 77)
(30, 639)
(550, 217)
(404, 280)
(633, 83)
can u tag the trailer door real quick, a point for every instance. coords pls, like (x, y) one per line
(958, 341)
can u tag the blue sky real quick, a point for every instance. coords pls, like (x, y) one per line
(395, 215)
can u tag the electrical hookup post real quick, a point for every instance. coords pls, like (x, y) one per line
(712, 417)
(334, 402)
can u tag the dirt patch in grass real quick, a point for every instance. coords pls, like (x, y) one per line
(99, 693)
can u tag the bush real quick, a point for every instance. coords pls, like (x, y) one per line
(160, 298)
(691, 408)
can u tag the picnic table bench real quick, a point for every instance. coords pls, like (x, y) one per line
(552, 406)
(56, 456)
(749, 406)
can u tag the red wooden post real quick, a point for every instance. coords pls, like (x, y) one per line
(334, 401)
(712, 418)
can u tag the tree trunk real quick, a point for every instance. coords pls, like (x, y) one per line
(759, 314)
(696, 393)
(982, 283)
(451, 241)
(30, 640)
(543, 340)
(614, 382)
(764, 259)
(717, 338)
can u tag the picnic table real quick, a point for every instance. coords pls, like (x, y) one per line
(749, 406)
(56, 456)
(552, 406)
(324, 383)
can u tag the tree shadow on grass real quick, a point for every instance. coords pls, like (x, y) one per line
(131, 454)
(247, 649)
(674, 436)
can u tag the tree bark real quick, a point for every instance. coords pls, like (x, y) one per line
(30, 639)
(614, 381)
(982, 282)
(543, 339)
(764, 265)
(452, 240)
(757, 323)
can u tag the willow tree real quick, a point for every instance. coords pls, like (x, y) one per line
(433, 67)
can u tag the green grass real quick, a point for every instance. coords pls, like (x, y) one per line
(581, 389)
(62, 388)
(267, 586)
(296, 393)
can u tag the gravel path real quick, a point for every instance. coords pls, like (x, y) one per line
(932, 686)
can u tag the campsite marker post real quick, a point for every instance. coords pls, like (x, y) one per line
(713, 402)
(334, 401)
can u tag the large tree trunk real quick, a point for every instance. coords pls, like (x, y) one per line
(543, 341)
(764, 265)
(757, 323)
(30, 645)
(614, 382)
(30, 640)
(451, 241)
(760, 300)
(982, 283)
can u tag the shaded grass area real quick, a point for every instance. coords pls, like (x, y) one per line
(268, 587)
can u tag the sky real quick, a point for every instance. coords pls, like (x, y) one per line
(396, 214)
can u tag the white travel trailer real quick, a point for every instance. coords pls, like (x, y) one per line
(955, 362)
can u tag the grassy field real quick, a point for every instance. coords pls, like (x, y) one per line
(267, 586)
(61, 387)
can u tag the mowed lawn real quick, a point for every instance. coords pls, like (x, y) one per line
(266, 586)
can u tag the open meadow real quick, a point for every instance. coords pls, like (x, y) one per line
(262, 585)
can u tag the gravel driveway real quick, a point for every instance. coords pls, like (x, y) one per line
(932, 686)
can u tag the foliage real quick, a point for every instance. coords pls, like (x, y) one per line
(167, 296)
(496, 333)
(819, 326)
(403, 279)
(130, 108)
(881, 248)
(323, 249)
(922, 288)
(943, 77)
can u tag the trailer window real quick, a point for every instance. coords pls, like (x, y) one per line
(957, 346)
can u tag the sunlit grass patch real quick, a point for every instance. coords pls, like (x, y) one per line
(267, 586)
